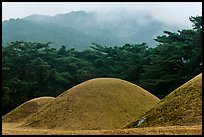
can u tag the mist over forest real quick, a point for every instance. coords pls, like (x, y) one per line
(78, 29)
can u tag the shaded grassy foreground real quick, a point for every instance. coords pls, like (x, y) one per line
(181, 107)
(101, 103)
(12, 129)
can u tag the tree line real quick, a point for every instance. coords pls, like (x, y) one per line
(31, 69)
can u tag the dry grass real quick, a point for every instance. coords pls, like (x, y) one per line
(101, 103)
(181, 107)
(13, 129)
(25, 110)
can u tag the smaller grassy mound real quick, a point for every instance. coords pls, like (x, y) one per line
(25, 110)
(181, 107)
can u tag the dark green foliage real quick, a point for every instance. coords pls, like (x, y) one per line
(31, 69)
(197, 22)
(176, 59)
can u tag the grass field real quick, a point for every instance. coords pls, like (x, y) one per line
(12, 129)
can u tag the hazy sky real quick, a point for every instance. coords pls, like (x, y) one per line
(170, 12)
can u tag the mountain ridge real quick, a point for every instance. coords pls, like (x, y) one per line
(110, 30)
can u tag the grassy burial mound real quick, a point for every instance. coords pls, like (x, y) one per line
(25, 110)
(183, 107)
(100, 103)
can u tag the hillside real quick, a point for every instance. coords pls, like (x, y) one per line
(79, 29)
(183, 107)
(25, 110)
(25, 30)
(100, 103)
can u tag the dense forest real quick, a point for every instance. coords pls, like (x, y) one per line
(31, 69)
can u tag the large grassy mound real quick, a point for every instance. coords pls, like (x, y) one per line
(101, 103)
(25, 110)
(181, 107)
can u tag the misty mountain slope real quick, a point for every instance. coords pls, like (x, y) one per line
(38, 18)
(19, 29)
(115, 28)
(79, 29)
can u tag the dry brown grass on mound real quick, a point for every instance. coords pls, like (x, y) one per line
(181, 107)
(101, 103)
(28, 108)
